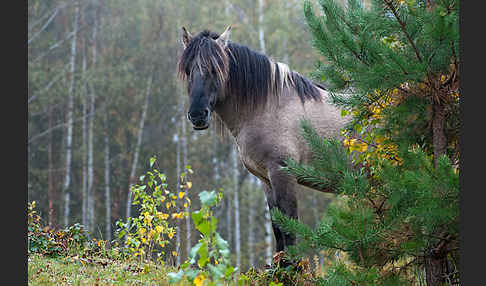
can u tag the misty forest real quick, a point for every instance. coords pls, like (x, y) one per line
(123, 189)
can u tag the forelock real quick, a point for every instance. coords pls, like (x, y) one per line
(205, 54)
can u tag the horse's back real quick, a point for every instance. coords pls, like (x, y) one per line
(275, 135)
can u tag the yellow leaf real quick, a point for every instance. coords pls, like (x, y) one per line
(198, 281)
(174, 253)
(167, 205)
(363, 147)
(181, 195)
(171, 233)
(185, 205)
(189, 185)
(177, 215)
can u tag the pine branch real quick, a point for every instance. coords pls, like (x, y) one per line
(402, 25)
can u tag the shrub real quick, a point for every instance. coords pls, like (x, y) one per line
(151, 232)
(208, 262)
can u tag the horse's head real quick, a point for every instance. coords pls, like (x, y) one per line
(204, 65)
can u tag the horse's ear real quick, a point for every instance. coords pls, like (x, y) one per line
(224, 37)
(186, 37)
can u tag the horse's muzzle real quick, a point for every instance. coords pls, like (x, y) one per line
(200, 121)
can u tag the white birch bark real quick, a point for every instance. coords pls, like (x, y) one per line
(285, 40)
(107, 179)
(108, 229)
(261, 32)
(315, 208)
(251, 215)
(91, 118)
(139, 143)
(178, 138)
(229, 219)
(268, 235)
(50, 166)
(178, 172)
(185, 162)
(236, 206)
(69, 135)
(45, 25)
(268, 221)
(84, 150)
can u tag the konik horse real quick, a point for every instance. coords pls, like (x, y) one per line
(260, 102)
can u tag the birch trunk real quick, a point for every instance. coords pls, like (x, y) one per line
(268, 234)
(315, 210)
(251, 215)
(107, 178)
(178, 172)
(184, 160)
(237, 208)
(107, 149)
(91, 218)
(285, 40)
(84, 187)
(178, 139)
(138, 145)
(268, 220)
(70, 107)
(50, 165)
(229, 216)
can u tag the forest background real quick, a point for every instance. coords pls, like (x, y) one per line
(104, 97)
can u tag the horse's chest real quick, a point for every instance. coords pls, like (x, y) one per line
(254, 156)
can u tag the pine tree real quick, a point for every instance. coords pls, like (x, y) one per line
(395, 66)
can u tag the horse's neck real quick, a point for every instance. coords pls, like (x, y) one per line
(229, 117)
(233, 118)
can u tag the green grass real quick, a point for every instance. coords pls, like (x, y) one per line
(99, 271)
(74, 271)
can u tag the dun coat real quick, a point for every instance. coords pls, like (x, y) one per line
(260, 103)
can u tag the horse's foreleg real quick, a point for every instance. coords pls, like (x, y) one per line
(284, 197)
(271, 201)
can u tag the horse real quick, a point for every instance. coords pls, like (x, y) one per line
(260, 102)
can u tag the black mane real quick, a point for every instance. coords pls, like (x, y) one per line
(250, 76)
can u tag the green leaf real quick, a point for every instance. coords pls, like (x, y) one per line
(185, 265)
(191, 274)
(194, 250)
(208, 198)
(175, 277)
(220, 242)
(197, 217)
(204, 227)
(229, 271)
(344, 112)
(203, 255)
(216, 273)
(189, 169)
(152, 161)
